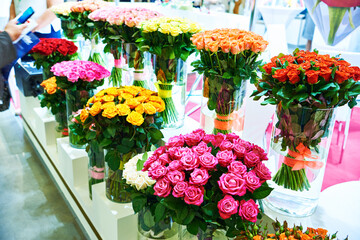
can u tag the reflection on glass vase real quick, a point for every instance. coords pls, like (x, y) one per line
(96, 51)
(223, 105)
(298, 152)
(96, 167)
(170, 82)
(116, 188)
(148, 229)
(75, 100)
(62, 124)
(211, 233)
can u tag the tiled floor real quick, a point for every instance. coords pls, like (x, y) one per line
(31, 205)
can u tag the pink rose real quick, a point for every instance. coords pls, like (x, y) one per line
(260, 152)
(90, 76)
(190, 161)
(232, 184)
(251, 159)
(155, 164)
(149, 161)
(199, 176)
(162, 188)
(194, 195)
(179, 189)
(174, 153)
(157, 172)
(208, 161)
(219, 138)
(226, 145)
(262, 172)
(175, 165)
(237, 167)
(239, 150)
(199, 132)
(225, 157)
(164, 158)
(232, 136)
(246, 144)
(252, 182)
(176, 141)
(175, 176)
(227, 207)
(248, 210)
(73, 77)
(209, 138)
(201, 148)
(159, 151)
(192, 139)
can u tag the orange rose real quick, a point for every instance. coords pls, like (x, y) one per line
(51, 88)
(312, 76)
(281, 75)
(123, 109)
(325, 73)
(95, 109)
(110, 112)
(268, 67)
(342, 63)
(341, 77)
(149, 108)
(84, 115)
(213, 46)
(293, 76)
(135, 118)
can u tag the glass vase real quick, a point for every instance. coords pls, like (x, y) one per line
(75, 101)
(47, 73)
(223, 105)
(171, 78)
(62, 124)
(115, 77)
(96, 51)
(148, 229)
(96, 165)
(211, 233)
(298, 152)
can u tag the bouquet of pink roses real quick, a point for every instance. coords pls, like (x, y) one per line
(121, 26)
(208, 181)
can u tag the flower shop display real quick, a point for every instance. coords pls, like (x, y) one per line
(50, 51)
(124, 121)
(228, 57)
(78, 78)
(284, 231)
(119, 28)
(169, 40)
(79, 13)
(54, 99)
(209, 183)
(149, 227)
(334, 19)
(306, 87)
(69, 26)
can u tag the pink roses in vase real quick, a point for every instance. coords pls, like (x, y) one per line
(205, 179)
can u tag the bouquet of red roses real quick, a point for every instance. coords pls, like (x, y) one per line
(208, 181)
(52, 50)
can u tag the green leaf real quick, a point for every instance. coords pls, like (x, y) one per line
(189, 217)
(269, 101)
(149, 219)
(181, 214)
(127, 142)
(193, 227)
(156, 133)
(105, 142)
(139, 202)
(111, 130)
(159, 212)
(210, 209)
(262, 192)
(227, 75)
(113, 158)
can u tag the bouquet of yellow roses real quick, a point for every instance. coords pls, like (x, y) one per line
(125, 121)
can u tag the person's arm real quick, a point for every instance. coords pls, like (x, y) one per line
(48, 16)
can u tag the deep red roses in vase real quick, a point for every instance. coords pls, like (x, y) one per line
(209, 179)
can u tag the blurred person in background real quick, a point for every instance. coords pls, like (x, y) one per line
(4, 13)
(308, 32)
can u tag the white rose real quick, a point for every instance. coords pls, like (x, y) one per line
(131, 177)
(140, 183)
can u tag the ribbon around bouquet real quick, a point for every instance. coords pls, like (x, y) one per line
(297, 160)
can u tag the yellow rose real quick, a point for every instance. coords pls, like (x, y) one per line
(156, 99)
(108, 104)
(108, 98)
(120, 99)
(149, 108)
(123, 109)
(132, 103)
(146, 93)
(113, 91)
(133, 90)
(110, 112)
(185, 27)
(153, 27)
(175, 31)
(51, 88)
(141, 99)
(165, 28)
(140, 109)
(95, 109)
(159, 107)
(194, 28)
(100, 94)
(90, 101)
(84, 115)
(126, 96)
(135, 118)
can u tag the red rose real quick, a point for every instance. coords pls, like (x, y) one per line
(63, 50)
(268, 67)
(341, 77)
(293, 76)
(251, 159)
(281, 75)
(312, 76)
(325, 73)
(305, 65)
(342, 63)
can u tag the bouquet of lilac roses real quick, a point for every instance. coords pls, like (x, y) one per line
(207, 181)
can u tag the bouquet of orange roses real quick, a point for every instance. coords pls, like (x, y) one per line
(125, 121)
(228, 57)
